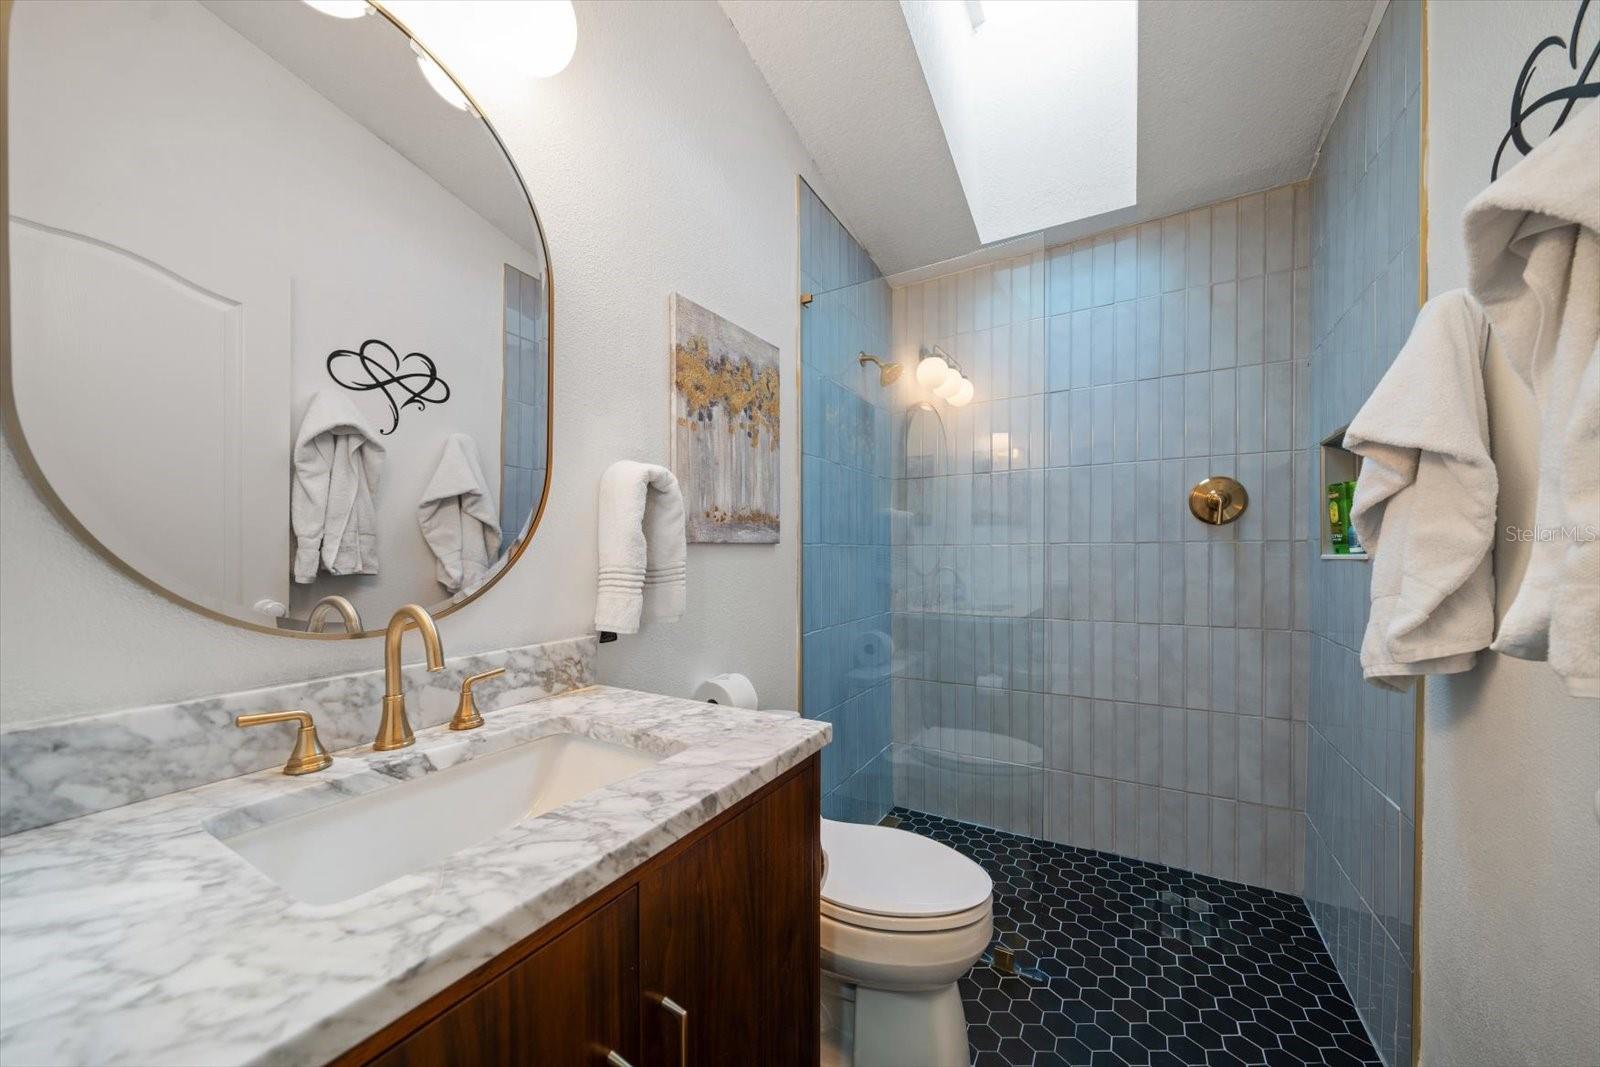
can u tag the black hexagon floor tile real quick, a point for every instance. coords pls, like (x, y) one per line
(1101, 959)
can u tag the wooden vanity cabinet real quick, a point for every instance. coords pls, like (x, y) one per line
(708, 954)
(572, 1001)
(730, 933)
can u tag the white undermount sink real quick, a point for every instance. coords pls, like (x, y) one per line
(350, 846)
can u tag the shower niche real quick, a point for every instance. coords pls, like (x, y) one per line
(1337, 469)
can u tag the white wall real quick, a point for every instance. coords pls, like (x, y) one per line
(659, 161)
(1510, 876)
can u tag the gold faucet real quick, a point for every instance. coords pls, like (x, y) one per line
(394, 731)
(467, 716)
(318, 619)
(308, 755)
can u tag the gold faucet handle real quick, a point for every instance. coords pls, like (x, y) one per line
(308, 754)
(467, 716)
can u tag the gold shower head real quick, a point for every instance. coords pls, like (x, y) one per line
(888, 373)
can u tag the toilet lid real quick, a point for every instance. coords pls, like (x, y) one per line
(879, 870)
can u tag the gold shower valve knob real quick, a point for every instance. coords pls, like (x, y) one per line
(1218, 500)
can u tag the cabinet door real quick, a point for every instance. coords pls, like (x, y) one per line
(567, 1005)
(729, 934)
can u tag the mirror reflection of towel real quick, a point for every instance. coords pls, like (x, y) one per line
(458, 516)
(337, 459)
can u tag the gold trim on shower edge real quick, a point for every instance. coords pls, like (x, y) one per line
(1419, 712)
(12, 423)
(800, 188)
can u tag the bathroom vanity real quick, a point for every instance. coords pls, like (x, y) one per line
(724, 920)
(653, 894)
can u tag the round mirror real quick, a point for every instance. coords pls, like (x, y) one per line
(280, 314)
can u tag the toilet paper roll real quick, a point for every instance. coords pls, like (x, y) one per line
(874, 648)
(733, 690)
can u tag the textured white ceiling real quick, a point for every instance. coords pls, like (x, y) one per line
(1234, 96)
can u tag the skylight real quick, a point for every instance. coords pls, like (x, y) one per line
(1039, 104)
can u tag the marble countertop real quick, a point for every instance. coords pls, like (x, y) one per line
(135, 936)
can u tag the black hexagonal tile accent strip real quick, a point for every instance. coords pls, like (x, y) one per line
(1124, 962)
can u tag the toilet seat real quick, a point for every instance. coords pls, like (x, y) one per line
(882, 878)
(867, 920)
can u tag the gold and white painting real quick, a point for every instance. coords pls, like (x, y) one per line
(724, 427)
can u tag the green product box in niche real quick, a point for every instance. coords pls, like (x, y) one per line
(1341, 531)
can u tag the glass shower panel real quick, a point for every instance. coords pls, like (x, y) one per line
(846, 665)
(923, 626)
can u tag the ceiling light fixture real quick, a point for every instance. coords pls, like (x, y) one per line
(492, 41)
(341, 9)
(553, 40)
(439, 81)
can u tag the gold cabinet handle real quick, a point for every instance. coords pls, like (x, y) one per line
(467, 716)
(308, 755)
(680, 1013)
(614, 1058)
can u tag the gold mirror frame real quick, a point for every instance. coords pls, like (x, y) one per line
(41, 484)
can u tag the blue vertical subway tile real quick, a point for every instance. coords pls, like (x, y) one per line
(1364, 268)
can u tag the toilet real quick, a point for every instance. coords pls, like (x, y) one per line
(903, 917)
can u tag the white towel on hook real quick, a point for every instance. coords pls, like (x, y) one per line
(643, 551)
(458, 516)
(1533, 251)
(1425, 501)
(337, 459)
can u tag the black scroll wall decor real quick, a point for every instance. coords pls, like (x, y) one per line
(1580, 68)
(376, 366)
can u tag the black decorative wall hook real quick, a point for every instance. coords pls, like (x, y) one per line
(384, 372)
(1582, 87)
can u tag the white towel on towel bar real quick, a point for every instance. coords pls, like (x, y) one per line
(643, 551)
(1533, 254)
(1425, 500)
(458, 516)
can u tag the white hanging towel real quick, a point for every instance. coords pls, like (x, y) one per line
(643, 553)
(337, 459)
(1425, 501)
(458, 516)
(1533, 250)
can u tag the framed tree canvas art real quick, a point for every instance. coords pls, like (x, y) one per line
(724, 427)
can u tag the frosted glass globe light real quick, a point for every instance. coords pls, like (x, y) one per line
(950, 386)
(931, 372)
(963, 395)
(493, 41)
(340, 9)
(439, 81)
(553, 39)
